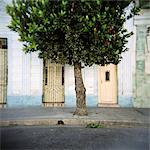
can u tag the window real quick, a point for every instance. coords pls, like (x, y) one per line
(3, 43)
(107, 76)
(46, 74)
(63, 75)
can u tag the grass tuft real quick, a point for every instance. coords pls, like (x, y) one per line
(94, 125)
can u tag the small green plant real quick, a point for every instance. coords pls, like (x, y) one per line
(94, 125)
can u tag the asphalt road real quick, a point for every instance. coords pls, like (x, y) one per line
(73, 138)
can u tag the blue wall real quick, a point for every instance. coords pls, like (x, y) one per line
(70, 101)
(125, 101)
(24, 101)
(91, 101)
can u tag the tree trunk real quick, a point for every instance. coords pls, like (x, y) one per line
(81, 109)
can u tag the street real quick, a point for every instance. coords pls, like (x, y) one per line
(73, 138)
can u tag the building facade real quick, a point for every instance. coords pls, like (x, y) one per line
(28, 81)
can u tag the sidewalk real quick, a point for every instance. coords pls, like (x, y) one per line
(129, 117)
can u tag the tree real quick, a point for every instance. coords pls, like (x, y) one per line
(75, 32)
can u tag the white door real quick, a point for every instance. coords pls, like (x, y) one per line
(3, 71)
(53, 84)
(108, 85)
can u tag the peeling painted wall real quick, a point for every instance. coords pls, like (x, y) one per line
(142, 74)
(90, 80)
(126, 69)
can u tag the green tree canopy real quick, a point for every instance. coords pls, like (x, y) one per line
(71, 31)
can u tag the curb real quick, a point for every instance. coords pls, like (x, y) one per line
(82, 122)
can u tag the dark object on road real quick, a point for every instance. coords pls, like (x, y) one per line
(60, 122)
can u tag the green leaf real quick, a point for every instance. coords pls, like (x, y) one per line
(40, 13)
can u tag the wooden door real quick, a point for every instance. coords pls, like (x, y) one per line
(108, 85)
(3, 71)
(53, 84)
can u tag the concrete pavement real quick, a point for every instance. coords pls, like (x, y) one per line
(127, 117)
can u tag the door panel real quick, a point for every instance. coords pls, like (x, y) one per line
(108, 84)
(53, 84)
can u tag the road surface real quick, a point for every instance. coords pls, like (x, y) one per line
(73, 138)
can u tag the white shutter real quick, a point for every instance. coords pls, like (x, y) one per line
(3, 75)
